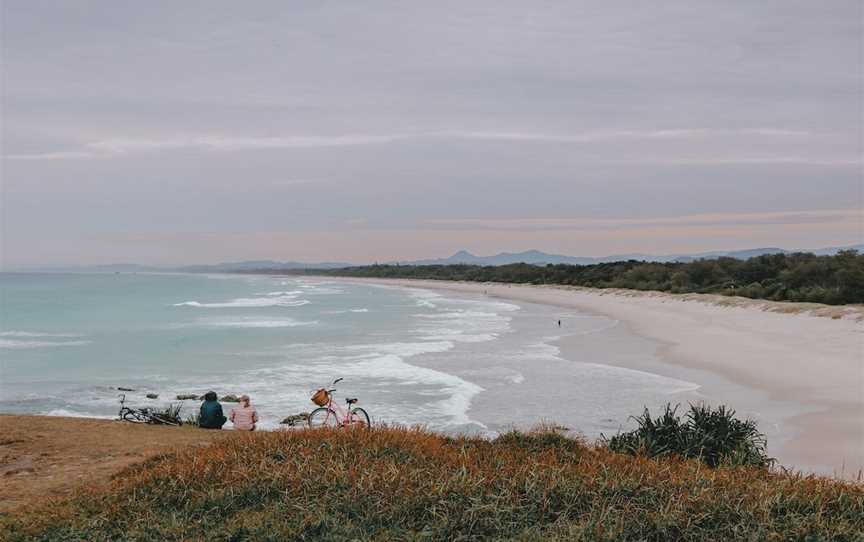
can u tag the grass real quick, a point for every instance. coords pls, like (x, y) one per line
(410, 484)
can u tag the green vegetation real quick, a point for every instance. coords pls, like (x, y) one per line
(834, 280)
(713, 436)
(410, 484)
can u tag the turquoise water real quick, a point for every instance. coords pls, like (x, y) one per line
(456, 363)
(69, 340)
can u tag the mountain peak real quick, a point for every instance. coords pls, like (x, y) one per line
(463, 254)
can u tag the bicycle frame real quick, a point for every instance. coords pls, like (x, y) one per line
(344, 416)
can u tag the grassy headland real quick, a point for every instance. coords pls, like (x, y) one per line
(800, 277)
(407, 484)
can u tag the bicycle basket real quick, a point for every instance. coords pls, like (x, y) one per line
(321, 397)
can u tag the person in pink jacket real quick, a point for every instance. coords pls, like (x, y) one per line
(244, 417)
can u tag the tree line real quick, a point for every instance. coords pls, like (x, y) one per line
(834, 280)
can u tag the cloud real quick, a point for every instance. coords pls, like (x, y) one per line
(623, 135)
(107, 148)
(221, 143)
(697, 220)
(218, 143)
(56, 155)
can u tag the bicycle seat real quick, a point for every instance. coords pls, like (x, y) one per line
(351, 401)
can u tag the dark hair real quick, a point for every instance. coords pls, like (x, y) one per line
(210, 396)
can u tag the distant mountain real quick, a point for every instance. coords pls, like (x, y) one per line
(504, 258)
(537, 257)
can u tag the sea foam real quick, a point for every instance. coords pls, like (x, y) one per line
(13, 344)
(249, 302)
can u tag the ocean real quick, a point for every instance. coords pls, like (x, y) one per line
(453, 363)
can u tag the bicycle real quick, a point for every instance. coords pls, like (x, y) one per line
(330, 414)
(147, 415)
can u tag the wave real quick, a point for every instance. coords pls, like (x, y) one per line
(319, 288)
(249, 302)
(402, 349)
(37, 334)
(13, 344)
(249, 323)
(465, 326)
(346, 311)
(293, 293)
(70, 414)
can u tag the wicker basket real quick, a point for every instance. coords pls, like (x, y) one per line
(321, 397)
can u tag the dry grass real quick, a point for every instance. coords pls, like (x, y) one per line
(409, 484)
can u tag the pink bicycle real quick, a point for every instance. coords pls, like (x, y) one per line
(330, 414)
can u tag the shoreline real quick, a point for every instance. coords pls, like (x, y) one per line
(809, 354)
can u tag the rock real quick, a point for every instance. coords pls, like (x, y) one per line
(125, 389)
(230, 398)
(184, 396)
(152, 396)
(296, 418)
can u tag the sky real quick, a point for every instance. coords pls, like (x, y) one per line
(169, 133)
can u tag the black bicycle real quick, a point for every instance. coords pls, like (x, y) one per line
(171, 416)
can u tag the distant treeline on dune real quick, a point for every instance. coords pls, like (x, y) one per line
(799, 277)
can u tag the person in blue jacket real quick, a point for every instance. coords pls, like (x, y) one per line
(211, 416)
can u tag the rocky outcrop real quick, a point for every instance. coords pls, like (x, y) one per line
(152, 396)
(230, 398)
(185, 396)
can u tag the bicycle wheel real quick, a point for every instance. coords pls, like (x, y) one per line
(359, 418)
(159, 419)
(323, 417)
(133, 416)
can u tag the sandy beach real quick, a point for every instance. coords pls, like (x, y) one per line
(809, 355)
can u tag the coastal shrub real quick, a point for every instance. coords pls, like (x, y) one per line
(170, 412)
(835, 280)
(391, 483)
(713, 436)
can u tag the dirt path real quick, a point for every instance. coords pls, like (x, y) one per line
(44, 456)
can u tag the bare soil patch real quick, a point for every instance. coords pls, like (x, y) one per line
(47, 457)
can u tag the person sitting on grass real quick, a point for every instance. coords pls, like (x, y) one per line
(211, 416)
(244, 417)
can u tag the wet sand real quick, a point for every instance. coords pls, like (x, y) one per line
(807, 355)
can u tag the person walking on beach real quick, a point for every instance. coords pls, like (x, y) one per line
(244, 417)
(210, 415)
